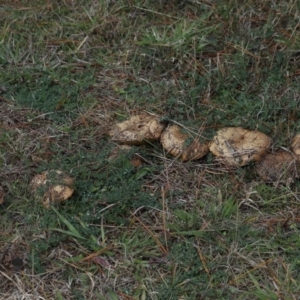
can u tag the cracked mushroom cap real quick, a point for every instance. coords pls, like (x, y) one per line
(137, 130)
(295, 146)
(174, 142)
(52, 186)
(236, 146)
(279, 166)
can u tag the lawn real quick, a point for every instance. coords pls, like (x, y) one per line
(159, 229)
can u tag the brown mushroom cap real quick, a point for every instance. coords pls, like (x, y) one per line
(174, 142)
(236, 146)
(56, 194)
(137, 130)
(194, 151)
(52, 186)
(295, 146)
(280, 166)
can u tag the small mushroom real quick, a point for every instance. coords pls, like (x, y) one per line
(52, 186)
(236, 146)
(279, 166)
(137, 130)
(175, 143)
(295, 146)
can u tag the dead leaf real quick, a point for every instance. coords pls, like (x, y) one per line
(101, 261)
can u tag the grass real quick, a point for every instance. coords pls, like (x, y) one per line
(164, 229)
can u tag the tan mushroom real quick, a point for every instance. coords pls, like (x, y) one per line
(52, 186)
(295, 146)
(279, 166)
(175, 142)
(236, 146)
(137, 130)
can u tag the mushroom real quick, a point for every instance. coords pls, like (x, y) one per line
(52, 186)
(236, 146)
(175, 143)
(279, 166)
(137, 130)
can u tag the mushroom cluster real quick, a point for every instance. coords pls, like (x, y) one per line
(232, 146)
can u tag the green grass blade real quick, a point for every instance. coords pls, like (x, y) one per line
(72, 230)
